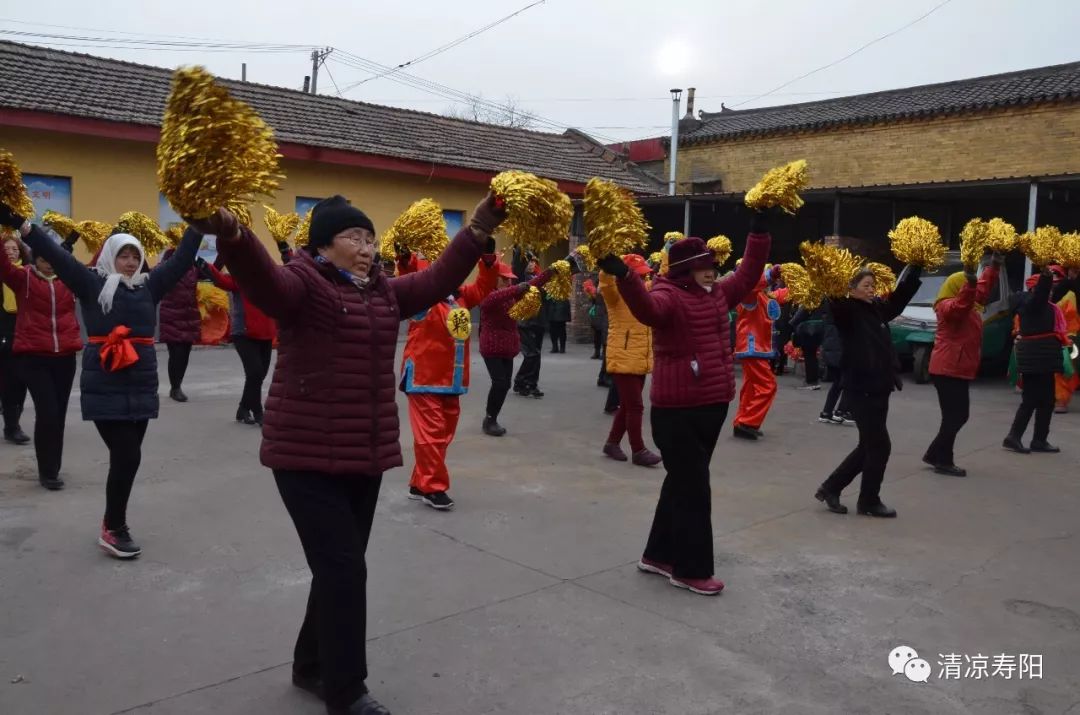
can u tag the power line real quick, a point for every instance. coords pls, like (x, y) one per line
(134, 43)
(850, 54)
(332, 80)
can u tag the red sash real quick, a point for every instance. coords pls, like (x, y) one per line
(118, 348)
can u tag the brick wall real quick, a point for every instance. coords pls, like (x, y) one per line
(1032, 141)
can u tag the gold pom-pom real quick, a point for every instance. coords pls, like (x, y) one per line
(973, 240)
(801, 288)
(721, 248)
(673, 237)
(60, 223)
(528, 306)
(214, 150)
(241, 210)
(586, 256)
(538, 214)
(12, 189)
(1041, 246)
(1000, 236)
(211, 299)
(780, 187)
(175, 233)
(1068, 252)
(917, 242)
(421, 229)
(281, 226)
(614, 223)
(831, 269)
(884, 278)
(559, 286)
(93, 234)
(302, 236)
(656, 258)
(145, 229)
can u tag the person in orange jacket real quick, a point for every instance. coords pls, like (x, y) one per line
(755, 316)
(435, 373)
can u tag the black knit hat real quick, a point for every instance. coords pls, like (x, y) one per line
(330, 217)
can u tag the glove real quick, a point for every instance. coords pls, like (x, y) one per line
(402, 253)
(10, 219)
(487, 216)
(69, 242)
(575, 267)
(222, 223)
(200, 264)
(969, 274)
(283, 247)
(613, 265)
(489, 245)
(759, 221)
(914, 271)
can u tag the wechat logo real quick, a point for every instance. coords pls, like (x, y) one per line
(905, 661)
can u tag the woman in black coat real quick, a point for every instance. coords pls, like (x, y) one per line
(119, 381)
(871, 373)
(837, 410)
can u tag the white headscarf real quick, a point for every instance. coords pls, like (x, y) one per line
(106, 268)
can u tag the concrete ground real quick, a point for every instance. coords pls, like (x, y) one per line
(525, 598)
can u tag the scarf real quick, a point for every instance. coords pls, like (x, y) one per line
(106, 268)
(360, 282)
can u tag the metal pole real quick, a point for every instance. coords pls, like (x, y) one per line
(1033, 199)
(316, 59)
(243, 72)
(675, 95)
(686, 218)
(836, 216)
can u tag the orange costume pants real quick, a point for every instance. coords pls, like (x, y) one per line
(1064, 387)
(434, 420)
(757, 394)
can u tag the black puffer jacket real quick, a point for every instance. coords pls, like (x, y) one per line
(832, 347)
(1038, 349)
(131, 393)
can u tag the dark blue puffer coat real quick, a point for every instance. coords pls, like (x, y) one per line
(131, 393)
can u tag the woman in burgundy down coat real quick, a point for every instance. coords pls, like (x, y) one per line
(693, 383)
(180, 326)
(331, 423)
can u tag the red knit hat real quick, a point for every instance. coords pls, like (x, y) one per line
(637, 264)
(688, 255)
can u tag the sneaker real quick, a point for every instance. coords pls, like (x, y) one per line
(705, 586)
(812, 388)
(646, 458)
(415, 494)
(878, 509)
(16, 436)
(364, 705)
(534, 393)
(438, 500)
(830, 418)
(650, 566)
(118, 543)
(1061, 409)
(846, 418)
(178, 395)
(615, 452)
(744, 432)
(492, 428)
(244, 415)
(52, 483)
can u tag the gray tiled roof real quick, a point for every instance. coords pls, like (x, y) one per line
(81, 85)
(1044, 84)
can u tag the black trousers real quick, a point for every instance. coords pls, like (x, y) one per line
(179, 354)
(1037, 399)
(681, 533)
(954, 398)
(810, 360)
(611, 402)
(837, 393)
(255, 356)
(12, 390)
(49, 379)
(871, 455)
(499, 370)
(332, 514)
(597, 341)
(558, 336)
(124, 440)
(532, 346)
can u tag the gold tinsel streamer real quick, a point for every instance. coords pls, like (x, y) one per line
(614, 223)
(559, 286)
(145, 229)
(1000, 236)
(241, 210)
(884, 278)
(586, 256)
(673, 236)
(421, 229)
(831, 269)
(63, 225)
(12, 189)
(538, 214)
(721, 248)
(93, 234)
(973, 239)
(281, 226)
(528, 306)
(214, 150)
(1041, 246)
(801, 288)
(301, 239)
(1068, 252)
(780, 187)
(656, 257)
(175, 233)
(917, 242)
(211, 299)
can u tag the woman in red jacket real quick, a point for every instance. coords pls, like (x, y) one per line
(253, 334)
(46, 341)
(954, 362)
(331, 426)
(180, 326)
(693, 384)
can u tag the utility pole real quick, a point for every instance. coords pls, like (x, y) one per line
(317, 58)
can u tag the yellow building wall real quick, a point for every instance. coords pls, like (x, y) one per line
(1032, 141)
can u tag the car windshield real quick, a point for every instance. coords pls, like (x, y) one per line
(931, 284)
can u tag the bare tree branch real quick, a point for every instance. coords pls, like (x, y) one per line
(508, 113)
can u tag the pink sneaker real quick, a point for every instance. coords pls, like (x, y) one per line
(705, 586)
(650, 566)
(615, 452)
(645, 458)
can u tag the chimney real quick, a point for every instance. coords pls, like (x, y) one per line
(690, 102)
(307, 84)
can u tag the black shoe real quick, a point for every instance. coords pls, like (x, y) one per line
(878, 510)
(177, 394)
(596, 356)
(365, 705)
(310, 683)
(492, 428)
(950, 470)
(53, 483)
(415, 494)
(244, 415)
(438, 500)
(1013, 444)
(257, 416)
(535, 393)
(832, 501)
(1044, 447)
(118, 543)
(744, 432)
(16, 436)
(830, 418)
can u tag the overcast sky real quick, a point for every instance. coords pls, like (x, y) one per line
(604, 66)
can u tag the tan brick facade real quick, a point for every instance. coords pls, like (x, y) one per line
(1029, 141)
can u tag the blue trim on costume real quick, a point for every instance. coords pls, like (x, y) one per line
(772, 309)
(752, 352)
(455, 388)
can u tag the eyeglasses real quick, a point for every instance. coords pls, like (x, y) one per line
(359, 241)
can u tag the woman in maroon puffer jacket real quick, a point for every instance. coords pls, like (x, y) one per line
(46, 341)
(692, 385)
(180, 326)
(331, 423)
